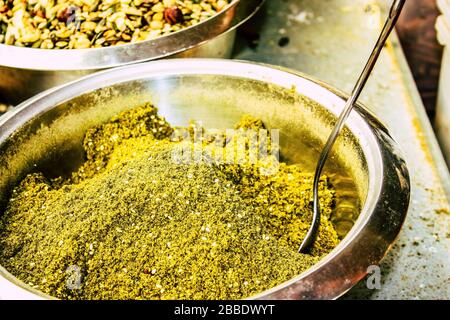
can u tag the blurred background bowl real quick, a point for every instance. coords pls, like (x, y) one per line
(25, 72)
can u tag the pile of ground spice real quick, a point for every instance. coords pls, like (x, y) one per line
(132, 223)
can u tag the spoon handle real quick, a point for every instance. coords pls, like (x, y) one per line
(387, 29)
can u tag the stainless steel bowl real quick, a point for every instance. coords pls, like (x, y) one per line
(45, 133)
(25, 72)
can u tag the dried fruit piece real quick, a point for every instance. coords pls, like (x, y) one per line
(67, 14)
(173, 15)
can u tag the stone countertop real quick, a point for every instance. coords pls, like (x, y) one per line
(331, 40)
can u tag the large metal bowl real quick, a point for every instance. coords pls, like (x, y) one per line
(25, 72)
(46, 132)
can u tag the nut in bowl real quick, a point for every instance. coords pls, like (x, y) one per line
(78, 24)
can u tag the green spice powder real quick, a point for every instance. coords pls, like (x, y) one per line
(132, 223)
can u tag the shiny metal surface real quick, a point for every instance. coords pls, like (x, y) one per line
(25, 72)
(46, 132)
(392, 18)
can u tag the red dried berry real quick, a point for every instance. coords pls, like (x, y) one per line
(173, 15)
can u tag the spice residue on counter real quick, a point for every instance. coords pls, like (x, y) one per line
(132, 223)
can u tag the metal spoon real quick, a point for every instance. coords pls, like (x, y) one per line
(387, 29)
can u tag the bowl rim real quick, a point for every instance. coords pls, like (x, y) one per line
(380, 221)
(231, 17)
